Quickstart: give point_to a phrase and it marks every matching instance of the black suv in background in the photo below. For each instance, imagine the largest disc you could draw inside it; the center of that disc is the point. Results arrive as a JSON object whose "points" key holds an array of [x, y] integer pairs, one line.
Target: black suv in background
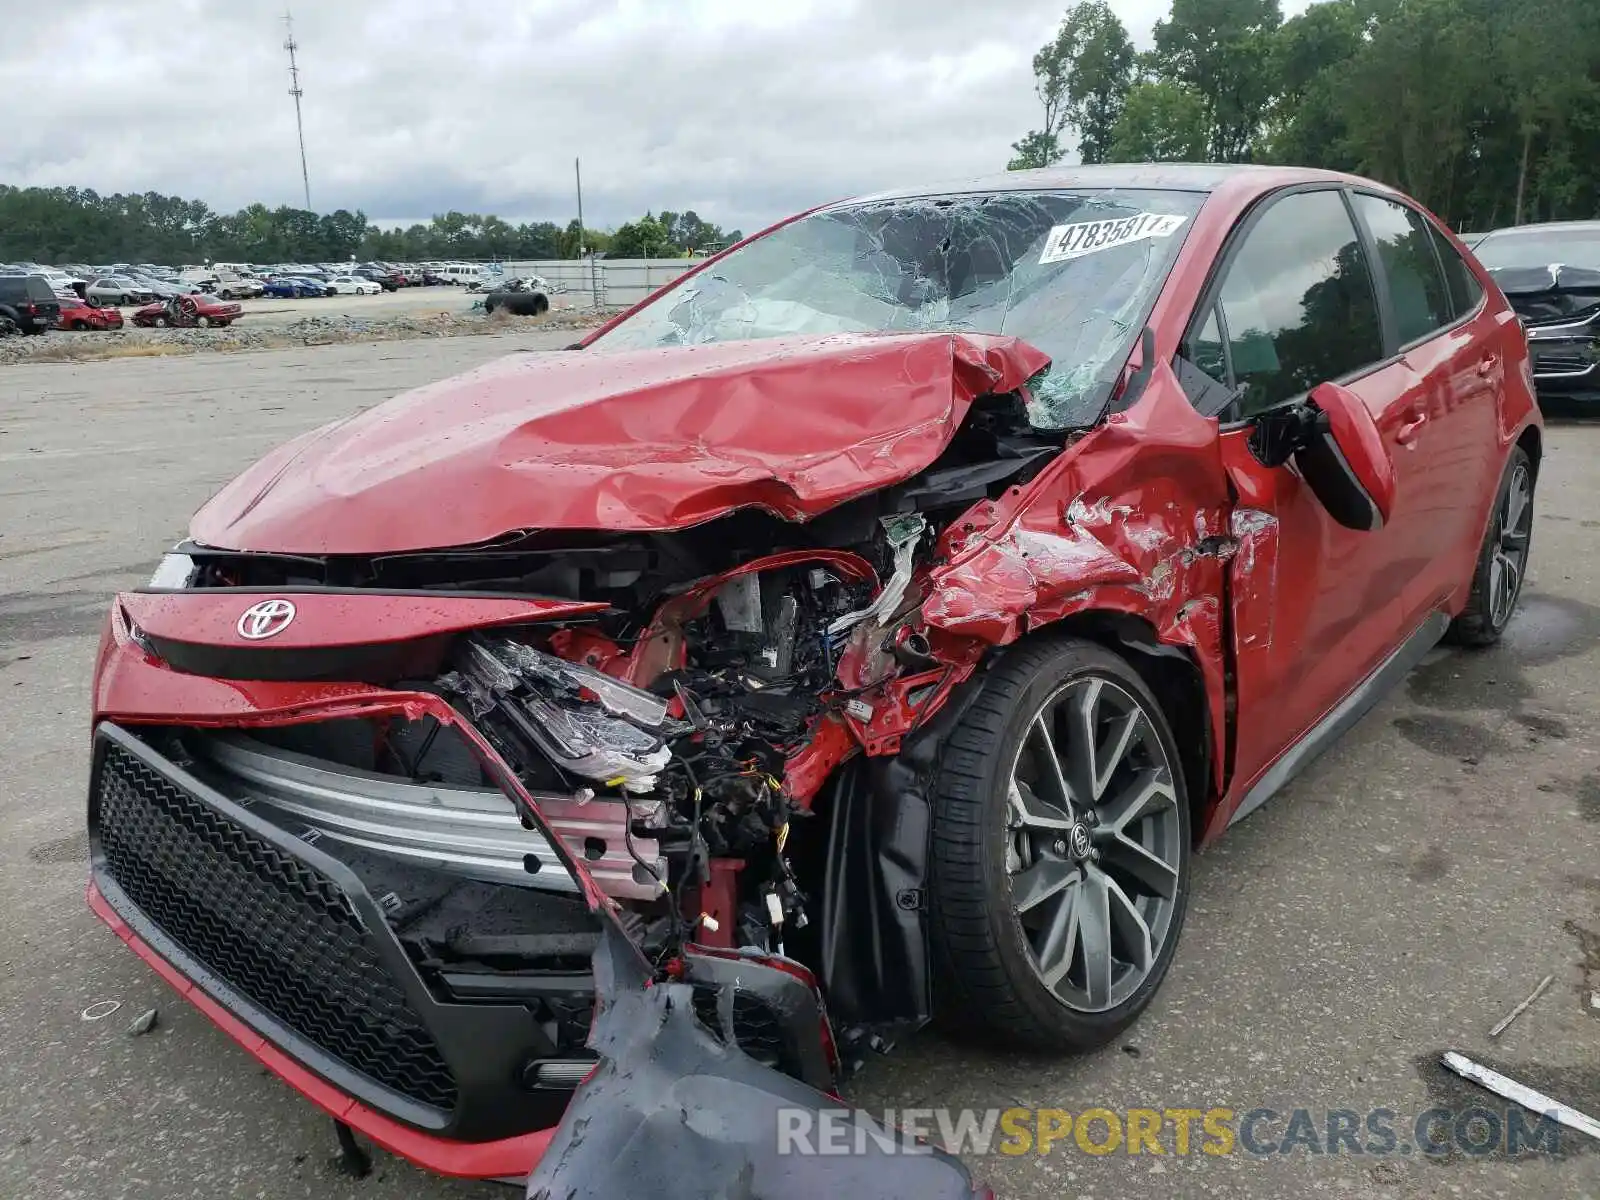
{"points": [[28, 302]]}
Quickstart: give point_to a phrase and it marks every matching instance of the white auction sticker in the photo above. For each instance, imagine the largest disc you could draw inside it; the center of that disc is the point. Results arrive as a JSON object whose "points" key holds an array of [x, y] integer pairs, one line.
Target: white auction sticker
{"points": [[1089, 237]]}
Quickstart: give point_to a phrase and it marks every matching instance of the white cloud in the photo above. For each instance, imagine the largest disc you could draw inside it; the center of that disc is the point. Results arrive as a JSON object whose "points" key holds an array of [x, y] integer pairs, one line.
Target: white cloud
{"points": [[742, 111]]}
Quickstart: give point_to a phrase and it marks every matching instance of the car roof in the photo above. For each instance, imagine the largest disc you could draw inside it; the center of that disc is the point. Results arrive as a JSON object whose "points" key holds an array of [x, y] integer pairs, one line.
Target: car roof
{"points": [[1185, 177], [1547, 227]]}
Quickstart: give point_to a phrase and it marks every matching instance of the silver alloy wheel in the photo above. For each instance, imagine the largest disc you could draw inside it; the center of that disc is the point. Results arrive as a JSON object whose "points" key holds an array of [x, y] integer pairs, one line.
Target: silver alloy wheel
{"points": [[1510, 560], [1092, 847]]}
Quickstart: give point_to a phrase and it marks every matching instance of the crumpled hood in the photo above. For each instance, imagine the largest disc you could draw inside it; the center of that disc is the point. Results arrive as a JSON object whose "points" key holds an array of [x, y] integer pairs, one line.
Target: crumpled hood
{"points": [[639, 440]]}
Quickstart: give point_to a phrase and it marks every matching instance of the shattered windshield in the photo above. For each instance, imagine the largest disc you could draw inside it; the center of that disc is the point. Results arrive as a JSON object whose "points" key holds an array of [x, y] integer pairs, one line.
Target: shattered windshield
{"points": [[1073, 273]]}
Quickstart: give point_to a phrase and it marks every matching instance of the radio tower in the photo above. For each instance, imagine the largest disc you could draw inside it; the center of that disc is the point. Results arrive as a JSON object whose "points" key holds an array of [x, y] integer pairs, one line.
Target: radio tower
{"points": [[291, 46]]}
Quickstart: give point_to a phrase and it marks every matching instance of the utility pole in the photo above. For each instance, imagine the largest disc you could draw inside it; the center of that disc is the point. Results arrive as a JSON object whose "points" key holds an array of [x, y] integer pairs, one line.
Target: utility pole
{"points": [[291, 46], [594, 279]]}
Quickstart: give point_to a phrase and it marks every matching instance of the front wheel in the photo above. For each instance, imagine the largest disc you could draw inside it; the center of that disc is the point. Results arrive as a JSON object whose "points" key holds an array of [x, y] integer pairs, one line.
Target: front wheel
{"points": [[1502, 559], [1060, 865], [163, 321]]}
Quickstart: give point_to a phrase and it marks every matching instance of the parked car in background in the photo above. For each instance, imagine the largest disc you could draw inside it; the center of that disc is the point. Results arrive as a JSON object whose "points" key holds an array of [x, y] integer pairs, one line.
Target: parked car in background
{"points": [[62, 284], [357, 285], [81, 315], [294, 287], [382, 278], [29, 303], [186, 311], [1551, 275], [117, 289], [282, 287], [161, 289], [231, 286], [1037, 531]]}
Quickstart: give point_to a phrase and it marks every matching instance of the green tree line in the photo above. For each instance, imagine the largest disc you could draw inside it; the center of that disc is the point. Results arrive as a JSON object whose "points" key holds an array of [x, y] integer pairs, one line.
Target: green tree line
{"points": [[1487, 111], [56, 225]]}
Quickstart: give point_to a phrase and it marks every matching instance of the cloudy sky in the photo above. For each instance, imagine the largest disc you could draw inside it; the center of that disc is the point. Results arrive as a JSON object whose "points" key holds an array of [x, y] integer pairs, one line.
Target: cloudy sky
{"points": [[743, 110]]}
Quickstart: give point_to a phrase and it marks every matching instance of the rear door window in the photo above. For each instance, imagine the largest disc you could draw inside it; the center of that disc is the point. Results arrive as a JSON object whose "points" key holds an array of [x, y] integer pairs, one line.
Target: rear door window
{"points": [[39, 288], [1298, 302], [1417, 291]]}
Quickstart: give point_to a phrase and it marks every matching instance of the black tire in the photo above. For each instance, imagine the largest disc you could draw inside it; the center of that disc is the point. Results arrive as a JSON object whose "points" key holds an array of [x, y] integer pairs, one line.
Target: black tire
{"points": [[488, 306], [205, 322], [540, 306], [1482, 621], [78, 326], [225, 294], [986, 981], [163, 321]]}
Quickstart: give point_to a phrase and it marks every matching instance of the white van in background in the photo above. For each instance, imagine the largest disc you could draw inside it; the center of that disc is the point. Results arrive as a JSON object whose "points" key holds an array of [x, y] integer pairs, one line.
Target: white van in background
{"points": [[459, 274]]}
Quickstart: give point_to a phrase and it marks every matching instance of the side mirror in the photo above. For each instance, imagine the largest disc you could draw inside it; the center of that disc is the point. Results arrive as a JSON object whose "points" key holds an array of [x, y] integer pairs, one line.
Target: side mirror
{"points": [[1336, 445]]}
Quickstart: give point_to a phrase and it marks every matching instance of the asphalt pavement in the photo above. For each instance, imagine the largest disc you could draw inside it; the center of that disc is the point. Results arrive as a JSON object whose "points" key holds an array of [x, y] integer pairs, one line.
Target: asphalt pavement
{"points": [[1395, 902]]}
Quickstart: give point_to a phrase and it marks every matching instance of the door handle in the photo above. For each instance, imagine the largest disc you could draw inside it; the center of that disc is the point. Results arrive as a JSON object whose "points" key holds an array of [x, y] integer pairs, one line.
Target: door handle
{"points": [[1407, 433], [1488, 363]]}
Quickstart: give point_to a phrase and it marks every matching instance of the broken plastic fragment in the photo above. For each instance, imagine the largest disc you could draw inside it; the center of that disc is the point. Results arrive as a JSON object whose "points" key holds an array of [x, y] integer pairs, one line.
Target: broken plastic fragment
{"points": [[902, 532]]}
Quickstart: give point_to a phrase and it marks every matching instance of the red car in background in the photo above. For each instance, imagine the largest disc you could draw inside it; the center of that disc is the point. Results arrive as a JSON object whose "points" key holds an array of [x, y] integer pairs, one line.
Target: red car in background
{"points": [[876, 618], [186, 311], [80, 315]]}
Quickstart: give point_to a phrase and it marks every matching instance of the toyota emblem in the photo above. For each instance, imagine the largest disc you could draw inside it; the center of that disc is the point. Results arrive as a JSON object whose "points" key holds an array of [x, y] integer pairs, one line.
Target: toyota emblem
{"points": [[266, 619], [1078, 841]]}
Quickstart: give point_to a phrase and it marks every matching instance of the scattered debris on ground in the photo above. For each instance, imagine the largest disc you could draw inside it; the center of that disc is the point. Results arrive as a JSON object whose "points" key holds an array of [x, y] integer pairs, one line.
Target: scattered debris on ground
{"points": [[143, 1023], [132, 342], [1516, 1012], [1519, 1093]]}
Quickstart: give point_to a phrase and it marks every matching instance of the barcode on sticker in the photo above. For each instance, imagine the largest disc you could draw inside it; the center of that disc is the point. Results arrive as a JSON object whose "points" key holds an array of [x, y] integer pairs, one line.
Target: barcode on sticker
{"points": [[1089, 237]]}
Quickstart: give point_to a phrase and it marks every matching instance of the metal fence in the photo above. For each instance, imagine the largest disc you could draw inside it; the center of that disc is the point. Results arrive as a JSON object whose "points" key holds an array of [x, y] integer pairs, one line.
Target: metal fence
{"points": [[608, 282]]}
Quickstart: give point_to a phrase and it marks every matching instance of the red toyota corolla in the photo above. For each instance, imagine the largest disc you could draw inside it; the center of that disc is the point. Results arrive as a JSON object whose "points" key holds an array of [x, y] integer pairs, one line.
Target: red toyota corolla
{"points": [[868, 626]]}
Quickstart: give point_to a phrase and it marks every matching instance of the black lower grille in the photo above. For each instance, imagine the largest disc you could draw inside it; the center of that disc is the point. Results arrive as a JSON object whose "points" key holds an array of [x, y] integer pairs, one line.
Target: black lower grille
{"points": [[272, 928], [755, 1027]]}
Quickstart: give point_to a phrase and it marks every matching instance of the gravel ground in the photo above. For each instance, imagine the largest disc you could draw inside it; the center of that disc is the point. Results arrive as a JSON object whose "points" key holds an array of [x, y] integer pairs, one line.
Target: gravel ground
{"points": [[1394, 902]]}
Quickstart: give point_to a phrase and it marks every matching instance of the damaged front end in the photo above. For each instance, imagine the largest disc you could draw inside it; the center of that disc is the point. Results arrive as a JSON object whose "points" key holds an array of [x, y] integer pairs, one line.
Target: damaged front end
{"points": [[563, 737]]}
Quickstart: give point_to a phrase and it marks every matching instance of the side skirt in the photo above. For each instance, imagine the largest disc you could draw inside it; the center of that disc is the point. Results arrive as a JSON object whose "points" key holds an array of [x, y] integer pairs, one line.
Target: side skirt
{"points": [[1344, 714]]}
